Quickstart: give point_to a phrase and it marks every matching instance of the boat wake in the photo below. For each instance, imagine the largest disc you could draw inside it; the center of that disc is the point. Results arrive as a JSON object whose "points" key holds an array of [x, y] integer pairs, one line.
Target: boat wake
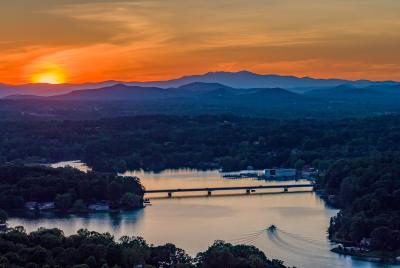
{"points": [[248, 238], [287, 241], [304, 239]]}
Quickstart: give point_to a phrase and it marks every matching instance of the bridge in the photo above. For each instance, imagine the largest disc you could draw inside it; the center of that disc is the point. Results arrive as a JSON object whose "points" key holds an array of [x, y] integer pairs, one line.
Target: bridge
{"points": [[248, 189]]}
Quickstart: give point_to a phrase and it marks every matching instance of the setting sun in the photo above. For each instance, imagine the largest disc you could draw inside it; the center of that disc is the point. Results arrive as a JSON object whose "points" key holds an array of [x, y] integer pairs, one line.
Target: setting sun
{"points": [[49, 74]]}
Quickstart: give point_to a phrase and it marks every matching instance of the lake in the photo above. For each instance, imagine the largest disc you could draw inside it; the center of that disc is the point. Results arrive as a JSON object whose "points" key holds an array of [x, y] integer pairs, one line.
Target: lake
{"points": [[194, 221]]}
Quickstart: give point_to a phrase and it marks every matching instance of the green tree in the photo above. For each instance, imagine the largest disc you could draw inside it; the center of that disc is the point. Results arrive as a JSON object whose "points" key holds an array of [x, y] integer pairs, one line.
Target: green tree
{"points": [[81, 266], [299, 164], [394, 240], [31, 265], [63, 201], [114, 191], [349, 190], [131, 201], [91, 262], [39, 255], [3, 216], [79, 206], [222, 254], [380, 237], [169, 255], [396, 199]]}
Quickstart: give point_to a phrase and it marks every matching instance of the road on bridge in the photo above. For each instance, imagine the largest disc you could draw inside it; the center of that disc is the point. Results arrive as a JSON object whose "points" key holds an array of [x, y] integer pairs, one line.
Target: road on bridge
{"points": [[248, 189]]}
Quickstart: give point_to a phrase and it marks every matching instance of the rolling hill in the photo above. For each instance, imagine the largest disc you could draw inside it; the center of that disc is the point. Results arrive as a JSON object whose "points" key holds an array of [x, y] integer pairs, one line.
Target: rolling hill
{"points": [[209, 98], [199, 91], [370, 94]]}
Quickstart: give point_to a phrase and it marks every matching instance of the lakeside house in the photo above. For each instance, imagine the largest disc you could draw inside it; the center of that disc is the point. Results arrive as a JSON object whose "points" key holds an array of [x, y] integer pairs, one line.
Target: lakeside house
{"points": [[309, 173], [99, 206], [262, 174], [248, 173], [40, 206], [280, 173]]}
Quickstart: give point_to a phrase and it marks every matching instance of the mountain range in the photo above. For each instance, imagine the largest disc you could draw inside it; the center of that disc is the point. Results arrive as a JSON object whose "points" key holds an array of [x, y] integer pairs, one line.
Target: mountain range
{"points": [[243, 79], [247, 94], [246, 79]]}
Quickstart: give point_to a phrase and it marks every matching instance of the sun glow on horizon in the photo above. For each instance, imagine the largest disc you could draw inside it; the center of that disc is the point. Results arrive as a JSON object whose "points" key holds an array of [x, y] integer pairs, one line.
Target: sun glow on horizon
{"points": [[92, 41], [49, 74]]}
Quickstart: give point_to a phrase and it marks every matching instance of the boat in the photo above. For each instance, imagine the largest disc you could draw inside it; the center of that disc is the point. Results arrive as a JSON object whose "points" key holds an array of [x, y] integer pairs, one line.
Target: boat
{"points": [[146, 202], [272, 228]]}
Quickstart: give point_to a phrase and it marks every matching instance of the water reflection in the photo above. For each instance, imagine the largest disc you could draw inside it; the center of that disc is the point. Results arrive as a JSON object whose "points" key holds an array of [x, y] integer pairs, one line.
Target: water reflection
{"points": [[187, 178], [194, 222]]}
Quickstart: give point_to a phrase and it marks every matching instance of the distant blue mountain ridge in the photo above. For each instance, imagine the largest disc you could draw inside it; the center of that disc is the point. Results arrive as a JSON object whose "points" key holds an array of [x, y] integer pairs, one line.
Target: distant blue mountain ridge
{"points": [[195, 83]]}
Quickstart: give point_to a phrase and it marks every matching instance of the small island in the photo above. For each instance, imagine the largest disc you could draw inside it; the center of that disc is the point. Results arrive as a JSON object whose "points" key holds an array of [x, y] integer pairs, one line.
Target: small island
{"points": [[39, 189]]}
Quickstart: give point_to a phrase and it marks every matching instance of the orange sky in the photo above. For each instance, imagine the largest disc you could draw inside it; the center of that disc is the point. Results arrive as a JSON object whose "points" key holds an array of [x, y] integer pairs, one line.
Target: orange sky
{"points": [[132, 40]]}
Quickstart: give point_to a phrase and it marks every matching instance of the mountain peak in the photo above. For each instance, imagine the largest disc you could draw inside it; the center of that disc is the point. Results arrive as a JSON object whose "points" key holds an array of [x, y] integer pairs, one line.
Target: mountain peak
{"points": [[241, 79], [202, 85]]}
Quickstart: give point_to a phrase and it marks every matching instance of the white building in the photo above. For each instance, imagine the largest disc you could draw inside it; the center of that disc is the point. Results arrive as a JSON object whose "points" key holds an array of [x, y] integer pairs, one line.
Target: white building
{"points": [[279, 172], [243, 173], [99, 206], [266, 173]]}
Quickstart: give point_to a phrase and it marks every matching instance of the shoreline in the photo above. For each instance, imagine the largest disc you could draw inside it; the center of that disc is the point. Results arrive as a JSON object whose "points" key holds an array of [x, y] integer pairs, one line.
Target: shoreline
{"points": [[370, 256], [26, 213]]}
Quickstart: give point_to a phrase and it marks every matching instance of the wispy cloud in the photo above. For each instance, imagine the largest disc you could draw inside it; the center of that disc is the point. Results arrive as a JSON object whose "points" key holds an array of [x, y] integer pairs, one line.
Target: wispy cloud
{"points": [[155, 39]]}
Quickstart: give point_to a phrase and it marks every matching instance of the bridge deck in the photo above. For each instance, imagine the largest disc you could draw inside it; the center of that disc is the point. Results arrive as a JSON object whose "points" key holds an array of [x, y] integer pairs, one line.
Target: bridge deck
{"points": [[212, 189]]}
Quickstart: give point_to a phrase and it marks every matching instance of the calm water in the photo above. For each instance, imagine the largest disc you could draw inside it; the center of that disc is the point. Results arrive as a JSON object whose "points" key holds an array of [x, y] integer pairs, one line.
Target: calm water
{"points": [[194, 222]]}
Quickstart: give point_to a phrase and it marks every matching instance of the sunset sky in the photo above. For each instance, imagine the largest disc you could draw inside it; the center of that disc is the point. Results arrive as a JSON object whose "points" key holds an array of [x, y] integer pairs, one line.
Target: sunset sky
{"points": [[94, 40]]}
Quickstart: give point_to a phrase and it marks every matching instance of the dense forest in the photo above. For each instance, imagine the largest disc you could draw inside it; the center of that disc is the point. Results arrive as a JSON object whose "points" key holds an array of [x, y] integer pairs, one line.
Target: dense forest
{"points": [[51, 248], [368, 191], [68, 188], [231, 143], [358, 160]]}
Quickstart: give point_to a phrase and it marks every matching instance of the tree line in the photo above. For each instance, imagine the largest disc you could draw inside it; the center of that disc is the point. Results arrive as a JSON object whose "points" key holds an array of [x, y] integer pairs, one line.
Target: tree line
{"points": [[68, 188], [85, 249], [368, 191], [358, 158], [203, 142]]}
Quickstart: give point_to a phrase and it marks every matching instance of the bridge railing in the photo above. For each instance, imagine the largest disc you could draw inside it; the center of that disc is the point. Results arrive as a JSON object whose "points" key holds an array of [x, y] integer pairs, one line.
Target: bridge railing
{"points": [[248, 189]]}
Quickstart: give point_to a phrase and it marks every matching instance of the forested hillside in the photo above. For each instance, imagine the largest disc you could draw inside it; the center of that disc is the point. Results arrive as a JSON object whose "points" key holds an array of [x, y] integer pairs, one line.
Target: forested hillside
{"points": [[228, 142], [69, 189], [368, 190]]}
